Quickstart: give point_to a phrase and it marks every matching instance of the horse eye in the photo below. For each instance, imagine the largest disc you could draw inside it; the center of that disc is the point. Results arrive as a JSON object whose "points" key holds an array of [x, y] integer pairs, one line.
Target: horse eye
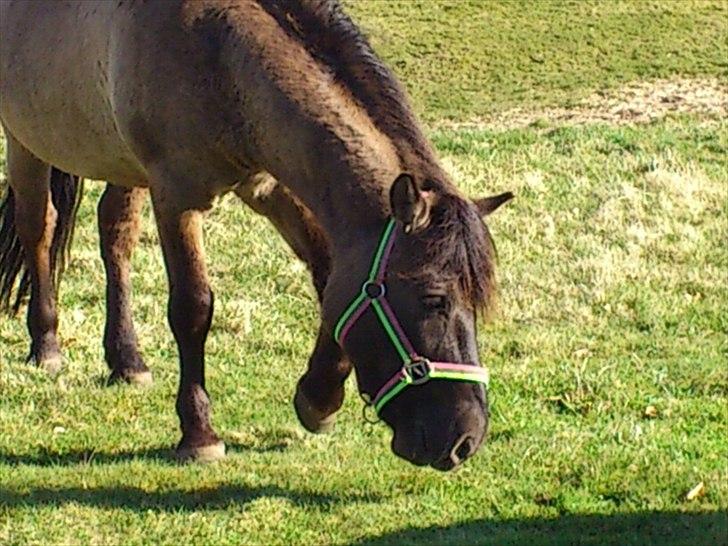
{"points": [[434, 301]]}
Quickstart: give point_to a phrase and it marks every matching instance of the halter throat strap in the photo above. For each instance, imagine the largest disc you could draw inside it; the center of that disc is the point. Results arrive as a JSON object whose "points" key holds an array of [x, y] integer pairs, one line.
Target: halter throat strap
{"points": [[416, 370]]}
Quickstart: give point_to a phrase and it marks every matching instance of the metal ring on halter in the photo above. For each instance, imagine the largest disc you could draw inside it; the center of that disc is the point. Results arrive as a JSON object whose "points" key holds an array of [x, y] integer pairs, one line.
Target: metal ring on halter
{"points": [[373, 290], [368, 410]]}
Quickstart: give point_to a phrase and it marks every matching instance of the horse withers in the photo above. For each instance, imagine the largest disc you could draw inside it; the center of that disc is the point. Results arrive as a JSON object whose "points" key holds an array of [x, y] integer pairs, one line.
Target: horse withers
{"points": [[286, 104]]}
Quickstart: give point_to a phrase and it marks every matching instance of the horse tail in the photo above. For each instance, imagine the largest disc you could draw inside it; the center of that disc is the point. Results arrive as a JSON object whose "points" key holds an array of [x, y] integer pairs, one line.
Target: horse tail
{"points": [[66, 193]]}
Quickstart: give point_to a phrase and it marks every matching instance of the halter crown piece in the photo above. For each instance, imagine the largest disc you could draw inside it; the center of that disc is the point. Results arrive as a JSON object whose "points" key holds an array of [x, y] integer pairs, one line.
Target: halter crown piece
{"points": [[416, 369]]}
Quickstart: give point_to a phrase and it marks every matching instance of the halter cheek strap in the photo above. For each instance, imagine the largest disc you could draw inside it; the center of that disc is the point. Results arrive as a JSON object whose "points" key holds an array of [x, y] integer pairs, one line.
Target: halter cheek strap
{"points": [[416, 370]]}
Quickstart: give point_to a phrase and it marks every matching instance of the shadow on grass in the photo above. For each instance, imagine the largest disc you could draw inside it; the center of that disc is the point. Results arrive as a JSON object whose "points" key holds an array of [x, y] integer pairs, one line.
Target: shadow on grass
{"points": [[160, 455], [47, 457], [173, 500], [640, 528]]}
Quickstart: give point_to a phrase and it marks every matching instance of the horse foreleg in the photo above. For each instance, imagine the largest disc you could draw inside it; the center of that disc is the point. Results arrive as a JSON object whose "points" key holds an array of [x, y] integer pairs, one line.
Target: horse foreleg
{"points": [[293, 221], [35, 217], [190, 314], [320, 392], [118, 218]]}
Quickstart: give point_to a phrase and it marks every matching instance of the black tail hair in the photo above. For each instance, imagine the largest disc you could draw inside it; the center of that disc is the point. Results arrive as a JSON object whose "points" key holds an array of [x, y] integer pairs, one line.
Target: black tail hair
{"points": [[66, 192]]}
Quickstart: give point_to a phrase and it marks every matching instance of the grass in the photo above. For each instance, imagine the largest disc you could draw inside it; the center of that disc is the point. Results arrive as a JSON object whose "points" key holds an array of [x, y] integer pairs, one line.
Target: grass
{"points": [[470, 58], [613, 297], [612, 269]]}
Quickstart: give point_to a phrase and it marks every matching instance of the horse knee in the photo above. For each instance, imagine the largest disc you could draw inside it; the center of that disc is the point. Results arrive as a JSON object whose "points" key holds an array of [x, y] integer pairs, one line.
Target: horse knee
{"points": [[36, 224], [108, 229], [190, 312], [118, 221]]}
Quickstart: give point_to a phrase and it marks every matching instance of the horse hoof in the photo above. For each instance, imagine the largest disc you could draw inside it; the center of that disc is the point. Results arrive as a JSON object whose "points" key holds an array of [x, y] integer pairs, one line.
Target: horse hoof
{"points": [[52, 365], [142, 379], [201, 454], [312, 419]]}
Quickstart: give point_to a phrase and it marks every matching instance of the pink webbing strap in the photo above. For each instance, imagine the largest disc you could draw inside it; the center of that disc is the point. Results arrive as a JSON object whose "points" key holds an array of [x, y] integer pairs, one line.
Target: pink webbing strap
{"points": [[398, 328], [382, 269], [353, 318]]}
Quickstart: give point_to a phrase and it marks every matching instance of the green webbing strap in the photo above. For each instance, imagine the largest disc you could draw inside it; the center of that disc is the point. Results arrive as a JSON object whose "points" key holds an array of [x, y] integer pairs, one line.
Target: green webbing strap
{"points": [[362, 298], [473, 375], [353, 306], [399, 387], [373, 272], [390, 331], [415, 370]]}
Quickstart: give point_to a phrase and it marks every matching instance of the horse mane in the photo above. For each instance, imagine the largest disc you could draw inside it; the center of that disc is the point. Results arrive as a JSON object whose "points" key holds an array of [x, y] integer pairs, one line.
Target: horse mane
{"points": [[334, 40], [458, 244], [459, 247]]}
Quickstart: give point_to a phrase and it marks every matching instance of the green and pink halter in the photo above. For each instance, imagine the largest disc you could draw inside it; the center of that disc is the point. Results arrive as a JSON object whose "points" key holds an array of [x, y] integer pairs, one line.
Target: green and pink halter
{"points": [[416, 369]]}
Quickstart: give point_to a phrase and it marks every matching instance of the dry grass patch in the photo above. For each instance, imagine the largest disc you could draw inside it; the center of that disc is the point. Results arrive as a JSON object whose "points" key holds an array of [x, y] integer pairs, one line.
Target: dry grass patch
{"points": [[635, 102]]}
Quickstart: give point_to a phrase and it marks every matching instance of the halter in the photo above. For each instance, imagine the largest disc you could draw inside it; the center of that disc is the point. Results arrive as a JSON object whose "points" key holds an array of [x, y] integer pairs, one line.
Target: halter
{"points": [[416, 369]]}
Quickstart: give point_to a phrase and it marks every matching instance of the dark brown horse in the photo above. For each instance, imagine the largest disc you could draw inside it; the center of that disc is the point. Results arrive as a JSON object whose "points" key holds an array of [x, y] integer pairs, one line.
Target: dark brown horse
{"points": [[286, 104]]}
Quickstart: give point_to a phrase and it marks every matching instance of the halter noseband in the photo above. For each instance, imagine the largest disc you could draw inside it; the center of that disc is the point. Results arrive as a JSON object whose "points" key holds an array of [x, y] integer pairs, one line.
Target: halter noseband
{"points": [[416, 369]]}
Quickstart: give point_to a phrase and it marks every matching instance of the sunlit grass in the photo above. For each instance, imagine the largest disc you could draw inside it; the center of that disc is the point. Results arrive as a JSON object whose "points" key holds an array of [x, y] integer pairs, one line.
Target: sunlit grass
{"points": [[608, 355], [612, 269], [471, 58]]}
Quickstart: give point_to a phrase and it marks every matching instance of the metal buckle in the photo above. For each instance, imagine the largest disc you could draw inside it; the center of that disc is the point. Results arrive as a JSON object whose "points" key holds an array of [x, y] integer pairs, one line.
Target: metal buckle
{"points": [[373, 290], [368, 413], [418, 371]]}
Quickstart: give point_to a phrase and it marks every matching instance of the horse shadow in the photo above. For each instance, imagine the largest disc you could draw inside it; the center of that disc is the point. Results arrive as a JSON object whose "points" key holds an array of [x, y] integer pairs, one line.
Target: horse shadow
{"points": [[634, 528], [159, 455], [136, 499], [165, 500], [643, 528]]}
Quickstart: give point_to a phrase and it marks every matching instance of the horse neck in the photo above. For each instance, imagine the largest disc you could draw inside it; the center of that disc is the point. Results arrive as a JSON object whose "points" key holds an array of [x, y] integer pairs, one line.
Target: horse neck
{"points": [[343, 181], [338, 179], [295, 122], [290, 117]]}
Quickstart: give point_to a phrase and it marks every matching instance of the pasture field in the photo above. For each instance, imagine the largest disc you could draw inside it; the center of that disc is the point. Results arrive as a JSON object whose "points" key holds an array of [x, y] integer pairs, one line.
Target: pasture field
{"points": [[607, 355]]}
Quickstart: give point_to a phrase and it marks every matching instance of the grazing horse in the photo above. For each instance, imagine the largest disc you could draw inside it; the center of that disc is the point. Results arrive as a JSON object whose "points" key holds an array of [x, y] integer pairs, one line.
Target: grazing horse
{"points": [[286, 104]]}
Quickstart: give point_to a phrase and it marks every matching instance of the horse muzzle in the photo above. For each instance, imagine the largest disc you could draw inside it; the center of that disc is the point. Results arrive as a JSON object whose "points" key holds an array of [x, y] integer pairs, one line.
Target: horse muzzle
{"points": [[439, 442]]}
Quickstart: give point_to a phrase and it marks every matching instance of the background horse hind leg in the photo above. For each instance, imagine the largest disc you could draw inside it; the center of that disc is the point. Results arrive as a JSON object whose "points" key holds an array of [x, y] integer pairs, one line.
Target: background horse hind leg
{"points": [[293, 221], [118, 217], [320, 392], [190, 314], [35, 219]]}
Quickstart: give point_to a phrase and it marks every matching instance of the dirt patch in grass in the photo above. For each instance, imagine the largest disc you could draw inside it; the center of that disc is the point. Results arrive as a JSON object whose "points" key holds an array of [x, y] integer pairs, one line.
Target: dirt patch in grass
{"points": [[638, 102]]}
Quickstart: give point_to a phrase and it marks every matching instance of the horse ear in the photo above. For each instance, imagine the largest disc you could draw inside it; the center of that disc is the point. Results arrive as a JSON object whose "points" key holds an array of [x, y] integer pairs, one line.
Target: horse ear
{"points": [[410, 205], [487, 205]]}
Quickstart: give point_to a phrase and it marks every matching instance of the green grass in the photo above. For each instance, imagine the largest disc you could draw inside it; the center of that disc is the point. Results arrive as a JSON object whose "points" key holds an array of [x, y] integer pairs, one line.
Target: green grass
{"points": [[613, 263], [470, 58], [613, 297]]}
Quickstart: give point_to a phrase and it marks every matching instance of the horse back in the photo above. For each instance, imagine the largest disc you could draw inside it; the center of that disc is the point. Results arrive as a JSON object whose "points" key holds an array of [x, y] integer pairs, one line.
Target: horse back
{"points": [[100, 89]]}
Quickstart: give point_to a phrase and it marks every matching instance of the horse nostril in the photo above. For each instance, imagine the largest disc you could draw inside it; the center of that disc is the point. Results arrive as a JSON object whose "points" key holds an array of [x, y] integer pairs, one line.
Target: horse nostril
{"points": [[462, 449]]}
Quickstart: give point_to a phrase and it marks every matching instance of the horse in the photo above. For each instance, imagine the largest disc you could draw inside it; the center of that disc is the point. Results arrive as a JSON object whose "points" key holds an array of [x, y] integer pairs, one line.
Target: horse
{"points": [[287, 105]]}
